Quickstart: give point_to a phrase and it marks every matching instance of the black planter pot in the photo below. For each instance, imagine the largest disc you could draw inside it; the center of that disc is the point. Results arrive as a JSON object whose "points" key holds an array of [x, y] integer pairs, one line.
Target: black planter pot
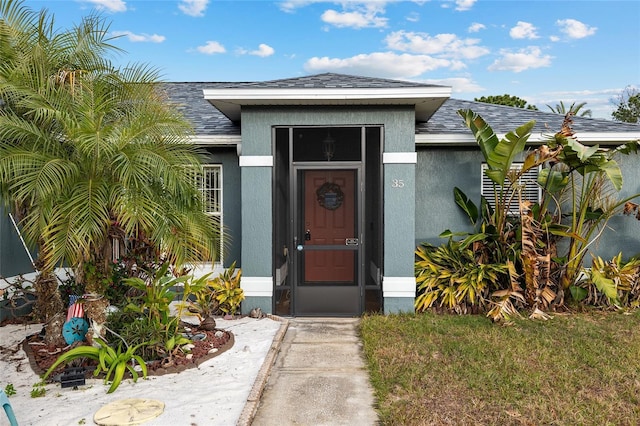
{"points": [[17, 306]]}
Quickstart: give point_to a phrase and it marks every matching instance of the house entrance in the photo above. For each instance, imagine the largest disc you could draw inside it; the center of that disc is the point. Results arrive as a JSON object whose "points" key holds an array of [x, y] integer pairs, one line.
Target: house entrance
{"points": [[327, 240], [327, 219]]}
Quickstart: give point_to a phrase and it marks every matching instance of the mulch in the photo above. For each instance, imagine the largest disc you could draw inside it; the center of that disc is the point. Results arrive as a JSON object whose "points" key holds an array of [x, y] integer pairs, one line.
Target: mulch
{"points": [[42, 356]]}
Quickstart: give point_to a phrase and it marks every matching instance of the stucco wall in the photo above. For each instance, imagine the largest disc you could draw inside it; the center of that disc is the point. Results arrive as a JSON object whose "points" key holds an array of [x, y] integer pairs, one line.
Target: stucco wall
{"points": [[439, 170]]}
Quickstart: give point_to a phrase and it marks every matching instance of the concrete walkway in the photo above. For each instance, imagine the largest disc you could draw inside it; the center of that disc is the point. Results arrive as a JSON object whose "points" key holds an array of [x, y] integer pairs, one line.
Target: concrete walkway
{"points": [[319, 377]]}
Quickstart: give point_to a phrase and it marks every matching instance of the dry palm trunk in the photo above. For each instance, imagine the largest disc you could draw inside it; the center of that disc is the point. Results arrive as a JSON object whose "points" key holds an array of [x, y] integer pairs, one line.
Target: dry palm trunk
{"points": [[49, 307], [537, 266]]}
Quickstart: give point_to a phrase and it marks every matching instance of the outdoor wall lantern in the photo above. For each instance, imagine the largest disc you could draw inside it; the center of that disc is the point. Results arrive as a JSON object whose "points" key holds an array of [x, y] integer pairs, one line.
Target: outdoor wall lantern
{"points": [[328, 146]]}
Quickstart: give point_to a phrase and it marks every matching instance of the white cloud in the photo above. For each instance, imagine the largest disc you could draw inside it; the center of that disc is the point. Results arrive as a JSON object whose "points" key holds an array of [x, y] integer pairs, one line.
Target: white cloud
{"points": [[598, 101], [211, 47], [380, 64], [523, 30], [554, 38], [446, 45], [138, 38], [110, 5], [355, 19], [263, 51], [523, 59], [463, 5], [413, 17], [193, 7], [292, 5], [476, 27], [457, 84], [575, 29]]}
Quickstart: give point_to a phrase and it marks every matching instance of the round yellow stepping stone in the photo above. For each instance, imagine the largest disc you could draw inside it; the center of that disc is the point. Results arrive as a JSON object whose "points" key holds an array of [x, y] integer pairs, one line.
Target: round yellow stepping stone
{"points": [[132, 411]]}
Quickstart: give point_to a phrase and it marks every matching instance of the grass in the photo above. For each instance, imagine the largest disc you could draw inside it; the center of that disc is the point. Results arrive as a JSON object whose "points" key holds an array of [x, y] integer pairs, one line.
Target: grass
{"points": [[580, 369]]}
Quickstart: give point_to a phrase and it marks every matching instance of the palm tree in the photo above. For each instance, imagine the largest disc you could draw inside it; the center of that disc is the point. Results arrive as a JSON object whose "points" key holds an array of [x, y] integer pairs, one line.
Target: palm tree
{"points": [[88, 151], [574, 109]]}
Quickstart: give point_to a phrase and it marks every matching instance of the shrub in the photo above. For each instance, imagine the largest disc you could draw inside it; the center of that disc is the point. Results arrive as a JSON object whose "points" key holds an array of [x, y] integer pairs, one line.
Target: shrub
{"points": [[451, 277]]}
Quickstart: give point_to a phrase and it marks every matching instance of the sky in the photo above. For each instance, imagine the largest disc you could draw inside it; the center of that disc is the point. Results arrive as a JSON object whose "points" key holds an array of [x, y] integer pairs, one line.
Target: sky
{"points": [[544, 51]]}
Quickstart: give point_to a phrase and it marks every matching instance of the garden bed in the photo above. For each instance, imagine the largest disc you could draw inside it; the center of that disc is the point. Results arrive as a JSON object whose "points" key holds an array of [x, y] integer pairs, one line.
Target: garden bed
{"points": [[42, 356]]}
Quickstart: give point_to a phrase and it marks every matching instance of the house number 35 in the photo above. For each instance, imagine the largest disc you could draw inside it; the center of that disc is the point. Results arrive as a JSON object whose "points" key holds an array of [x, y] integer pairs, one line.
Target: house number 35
{"points": [[397, 183]]}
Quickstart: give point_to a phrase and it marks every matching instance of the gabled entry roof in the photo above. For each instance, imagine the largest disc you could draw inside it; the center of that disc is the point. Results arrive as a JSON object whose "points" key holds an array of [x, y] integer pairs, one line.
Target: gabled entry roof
{"points": [[327, 89]]}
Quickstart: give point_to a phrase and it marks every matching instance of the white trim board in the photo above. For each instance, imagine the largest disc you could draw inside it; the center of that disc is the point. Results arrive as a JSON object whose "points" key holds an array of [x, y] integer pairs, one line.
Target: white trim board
{"points": [[399, 287], [257, 286], [399, 158], [256, 161]]}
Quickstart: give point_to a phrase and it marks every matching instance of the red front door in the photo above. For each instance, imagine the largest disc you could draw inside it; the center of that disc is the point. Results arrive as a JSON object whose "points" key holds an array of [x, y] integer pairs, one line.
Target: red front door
{"points": [[329, 220]]}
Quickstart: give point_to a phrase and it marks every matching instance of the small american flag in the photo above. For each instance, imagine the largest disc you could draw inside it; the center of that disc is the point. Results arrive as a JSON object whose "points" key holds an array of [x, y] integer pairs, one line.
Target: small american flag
{"points": [[76, 310]]}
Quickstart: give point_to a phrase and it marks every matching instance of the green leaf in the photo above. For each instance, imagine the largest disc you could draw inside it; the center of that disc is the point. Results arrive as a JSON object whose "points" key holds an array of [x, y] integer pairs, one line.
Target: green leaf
{"points": [[466, 205], [582, 151], [612, 169], [552, 181], [508, 149], [605, 285], [448, 234], [484, 134], [578, 293], [472, 239]]}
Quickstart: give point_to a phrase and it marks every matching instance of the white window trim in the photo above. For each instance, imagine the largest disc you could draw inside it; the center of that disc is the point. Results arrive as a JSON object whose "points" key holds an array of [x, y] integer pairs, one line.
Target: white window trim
{"points": [[220, 200], [533, 191]]}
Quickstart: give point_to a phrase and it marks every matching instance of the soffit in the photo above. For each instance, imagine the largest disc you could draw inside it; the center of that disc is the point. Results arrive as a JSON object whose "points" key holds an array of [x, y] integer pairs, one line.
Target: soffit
{"points": [[230, 101]]}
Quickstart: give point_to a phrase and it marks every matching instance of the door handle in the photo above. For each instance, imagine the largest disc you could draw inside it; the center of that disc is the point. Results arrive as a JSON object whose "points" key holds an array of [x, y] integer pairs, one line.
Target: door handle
{"points": [[307, 235]]}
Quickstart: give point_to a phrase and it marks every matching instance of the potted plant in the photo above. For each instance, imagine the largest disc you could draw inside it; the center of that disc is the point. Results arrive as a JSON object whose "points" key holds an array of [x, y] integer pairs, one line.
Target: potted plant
{"points": [[17, 299]]}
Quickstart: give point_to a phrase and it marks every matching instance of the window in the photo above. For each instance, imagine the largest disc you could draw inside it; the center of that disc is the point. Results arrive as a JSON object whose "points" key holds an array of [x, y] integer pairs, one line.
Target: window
{"points": [[531, 191], [210, 185]]}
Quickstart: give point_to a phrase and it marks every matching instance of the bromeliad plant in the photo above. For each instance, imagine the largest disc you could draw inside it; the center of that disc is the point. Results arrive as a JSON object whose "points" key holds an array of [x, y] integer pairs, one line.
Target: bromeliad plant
{"points": [[227, 290], [114, 363]]}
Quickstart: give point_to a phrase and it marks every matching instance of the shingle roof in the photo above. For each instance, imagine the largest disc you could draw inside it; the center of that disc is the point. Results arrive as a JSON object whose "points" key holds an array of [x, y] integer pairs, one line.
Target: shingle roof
{"points": [[325, 81], [208, 121], [503, 119]]}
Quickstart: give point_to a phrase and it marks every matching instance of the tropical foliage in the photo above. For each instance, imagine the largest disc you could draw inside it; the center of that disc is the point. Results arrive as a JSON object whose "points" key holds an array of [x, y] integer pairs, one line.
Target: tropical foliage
{"points": [[575, 109], [92, 155], [227, 291], [507, 100], [450, 275], [579, 186], [627, 106], [114, 363]]}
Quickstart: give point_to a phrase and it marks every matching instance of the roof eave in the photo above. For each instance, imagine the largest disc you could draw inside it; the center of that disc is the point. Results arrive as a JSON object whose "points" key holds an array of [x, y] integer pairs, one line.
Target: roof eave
{"points": [[426, 100], [587, 138]]}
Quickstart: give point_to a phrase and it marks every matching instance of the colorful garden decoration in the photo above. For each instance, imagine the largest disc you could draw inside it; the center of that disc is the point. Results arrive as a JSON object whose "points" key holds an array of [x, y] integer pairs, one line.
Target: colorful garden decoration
{"points": [[76, 327], [75, 330]]}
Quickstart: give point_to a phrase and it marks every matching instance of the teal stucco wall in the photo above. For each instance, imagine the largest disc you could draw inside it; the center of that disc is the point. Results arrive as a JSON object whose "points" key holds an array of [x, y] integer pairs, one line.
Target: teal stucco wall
{"points": [[439, 170], [257, 224]]}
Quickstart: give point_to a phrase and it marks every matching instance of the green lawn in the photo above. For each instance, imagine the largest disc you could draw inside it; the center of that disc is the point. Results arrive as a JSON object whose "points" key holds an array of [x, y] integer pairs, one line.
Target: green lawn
{"points": [[580, 369]]}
